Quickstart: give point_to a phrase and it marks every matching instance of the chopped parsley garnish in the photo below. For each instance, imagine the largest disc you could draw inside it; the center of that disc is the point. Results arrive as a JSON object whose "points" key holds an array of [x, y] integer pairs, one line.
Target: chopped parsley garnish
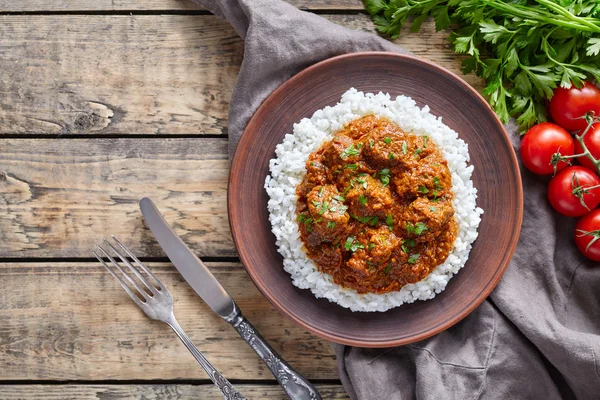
{"points": [[436, 182], [339, 198], [363, 182], [306, 221], [407, 245], [391, 156], [388, 268], [387, 140], [359, 146], [352, 245], [404, 147], [432, 209], [350, 151], [417, 228], [413, 258], [330, 225], [384, 176], [371, 246], [348, 188], [418, 151], [425, 139], [337, 171], [323, 208], [362, 199], [321, 191], [370, 264], [370, 219], [351, 166], [389, 221], [423, 189], [371, 143], [420, 228]]}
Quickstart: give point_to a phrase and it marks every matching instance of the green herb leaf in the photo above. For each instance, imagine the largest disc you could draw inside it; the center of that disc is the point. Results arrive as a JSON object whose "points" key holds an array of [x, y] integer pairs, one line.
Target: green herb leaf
{"points": [[384, 176], [387, 140], [420, 228], [351, 166], [352, 244], [388, 268], [413, 258], [349, 152], [423, 189], [389, 221], [391, 156], [330, 225], [404, 147], [362, 199]]}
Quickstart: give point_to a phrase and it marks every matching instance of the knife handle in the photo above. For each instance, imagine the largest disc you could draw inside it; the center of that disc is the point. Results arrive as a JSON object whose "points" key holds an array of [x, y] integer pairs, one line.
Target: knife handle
{"points": [[295, 385]]}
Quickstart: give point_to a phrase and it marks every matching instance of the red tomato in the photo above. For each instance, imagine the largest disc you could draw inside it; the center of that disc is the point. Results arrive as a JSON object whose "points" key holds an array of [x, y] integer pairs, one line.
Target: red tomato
{"points": [[587, 233], [568, 104], [574, 191], [540, 143], [592, 142]]}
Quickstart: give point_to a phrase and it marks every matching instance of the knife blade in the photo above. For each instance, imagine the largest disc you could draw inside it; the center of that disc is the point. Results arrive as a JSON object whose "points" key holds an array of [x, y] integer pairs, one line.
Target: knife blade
{"points": [[193, 270], [210, 290]]}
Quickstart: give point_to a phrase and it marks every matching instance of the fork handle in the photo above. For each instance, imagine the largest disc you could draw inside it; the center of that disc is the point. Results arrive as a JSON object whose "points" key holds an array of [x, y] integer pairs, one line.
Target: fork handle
{"points": [[295, 385], [226, 388]]}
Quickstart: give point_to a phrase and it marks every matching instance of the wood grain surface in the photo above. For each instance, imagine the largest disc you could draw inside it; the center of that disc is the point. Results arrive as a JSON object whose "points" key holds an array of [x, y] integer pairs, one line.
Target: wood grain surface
{"points": [[151, 392], [72, 321], [137, 74], [59, 197], [154, 5]]}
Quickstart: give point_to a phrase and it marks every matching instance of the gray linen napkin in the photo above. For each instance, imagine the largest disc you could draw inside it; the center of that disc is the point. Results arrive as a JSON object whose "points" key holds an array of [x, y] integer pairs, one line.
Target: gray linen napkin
{"points": [[538, 334]]}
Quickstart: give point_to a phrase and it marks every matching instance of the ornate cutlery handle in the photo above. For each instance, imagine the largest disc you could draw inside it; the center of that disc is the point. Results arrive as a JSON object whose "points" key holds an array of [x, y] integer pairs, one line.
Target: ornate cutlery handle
{"points": [[294, 384], [226, 388]]}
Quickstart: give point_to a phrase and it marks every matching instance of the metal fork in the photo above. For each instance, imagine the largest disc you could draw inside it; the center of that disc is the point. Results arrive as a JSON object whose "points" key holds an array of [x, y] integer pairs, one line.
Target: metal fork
{"points": [[157, 302]]}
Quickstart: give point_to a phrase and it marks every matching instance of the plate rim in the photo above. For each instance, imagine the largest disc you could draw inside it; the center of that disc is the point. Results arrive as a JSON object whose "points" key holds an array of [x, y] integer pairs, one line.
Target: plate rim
{"points": [[236, 166]]}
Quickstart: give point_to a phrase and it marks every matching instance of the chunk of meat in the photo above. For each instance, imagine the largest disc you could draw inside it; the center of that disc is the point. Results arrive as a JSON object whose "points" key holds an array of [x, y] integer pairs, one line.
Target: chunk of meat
{"points": [[359, 127], [329, 258], [340, 151], [423, 219], [368, 197], [386, 146], [316, 175], [328, 212], [430, 177]]}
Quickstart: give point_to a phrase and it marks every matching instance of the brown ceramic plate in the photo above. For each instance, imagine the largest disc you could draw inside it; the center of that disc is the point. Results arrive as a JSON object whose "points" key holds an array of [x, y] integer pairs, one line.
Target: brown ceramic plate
{"points": [[496, 177]]}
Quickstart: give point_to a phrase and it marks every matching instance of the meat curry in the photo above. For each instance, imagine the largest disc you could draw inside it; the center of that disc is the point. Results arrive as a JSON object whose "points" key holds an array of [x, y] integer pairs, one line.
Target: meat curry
{"points": [[375, 207]]}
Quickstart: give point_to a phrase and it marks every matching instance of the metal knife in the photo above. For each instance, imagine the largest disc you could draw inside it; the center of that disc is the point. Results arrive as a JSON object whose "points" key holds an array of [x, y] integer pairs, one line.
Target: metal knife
{"points": [[206, 285]]}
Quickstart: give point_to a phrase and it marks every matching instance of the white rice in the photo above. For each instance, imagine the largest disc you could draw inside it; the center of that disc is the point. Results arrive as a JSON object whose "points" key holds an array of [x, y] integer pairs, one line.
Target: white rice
{"points": [[289, 167]]}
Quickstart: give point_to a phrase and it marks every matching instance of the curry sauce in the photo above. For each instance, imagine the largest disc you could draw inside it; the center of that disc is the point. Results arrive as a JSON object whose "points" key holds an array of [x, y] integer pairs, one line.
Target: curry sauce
{"points": [[375, 207]]}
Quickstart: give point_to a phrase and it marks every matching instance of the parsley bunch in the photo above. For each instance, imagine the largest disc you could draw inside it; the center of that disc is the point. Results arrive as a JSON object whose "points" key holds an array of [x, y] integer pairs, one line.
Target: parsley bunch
{"points": [[522, 48]]}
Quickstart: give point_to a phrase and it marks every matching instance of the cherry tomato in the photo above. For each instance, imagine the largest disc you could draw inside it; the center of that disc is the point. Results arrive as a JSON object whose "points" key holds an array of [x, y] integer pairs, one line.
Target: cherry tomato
{"points": [[540, 143], [587, 233], [568, 104], [574, 191], [592, 142]]}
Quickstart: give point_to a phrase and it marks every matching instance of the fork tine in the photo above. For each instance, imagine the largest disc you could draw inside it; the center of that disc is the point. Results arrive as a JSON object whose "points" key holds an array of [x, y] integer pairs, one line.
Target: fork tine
{"points": [[131, 281], [138, 262], [123, 284], [132, 268]]}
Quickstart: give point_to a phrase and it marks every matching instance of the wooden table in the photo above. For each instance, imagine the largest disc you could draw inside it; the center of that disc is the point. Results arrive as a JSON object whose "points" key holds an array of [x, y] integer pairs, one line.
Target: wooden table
{"points": [[103, 102]]}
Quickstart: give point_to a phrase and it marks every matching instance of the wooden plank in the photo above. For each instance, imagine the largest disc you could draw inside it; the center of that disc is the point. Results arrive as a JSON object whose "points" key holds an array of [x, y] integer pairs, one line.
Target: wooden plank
{"points": [[138, 74], [58, 197], [153, 5], [72, 321], [152, 392]]}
